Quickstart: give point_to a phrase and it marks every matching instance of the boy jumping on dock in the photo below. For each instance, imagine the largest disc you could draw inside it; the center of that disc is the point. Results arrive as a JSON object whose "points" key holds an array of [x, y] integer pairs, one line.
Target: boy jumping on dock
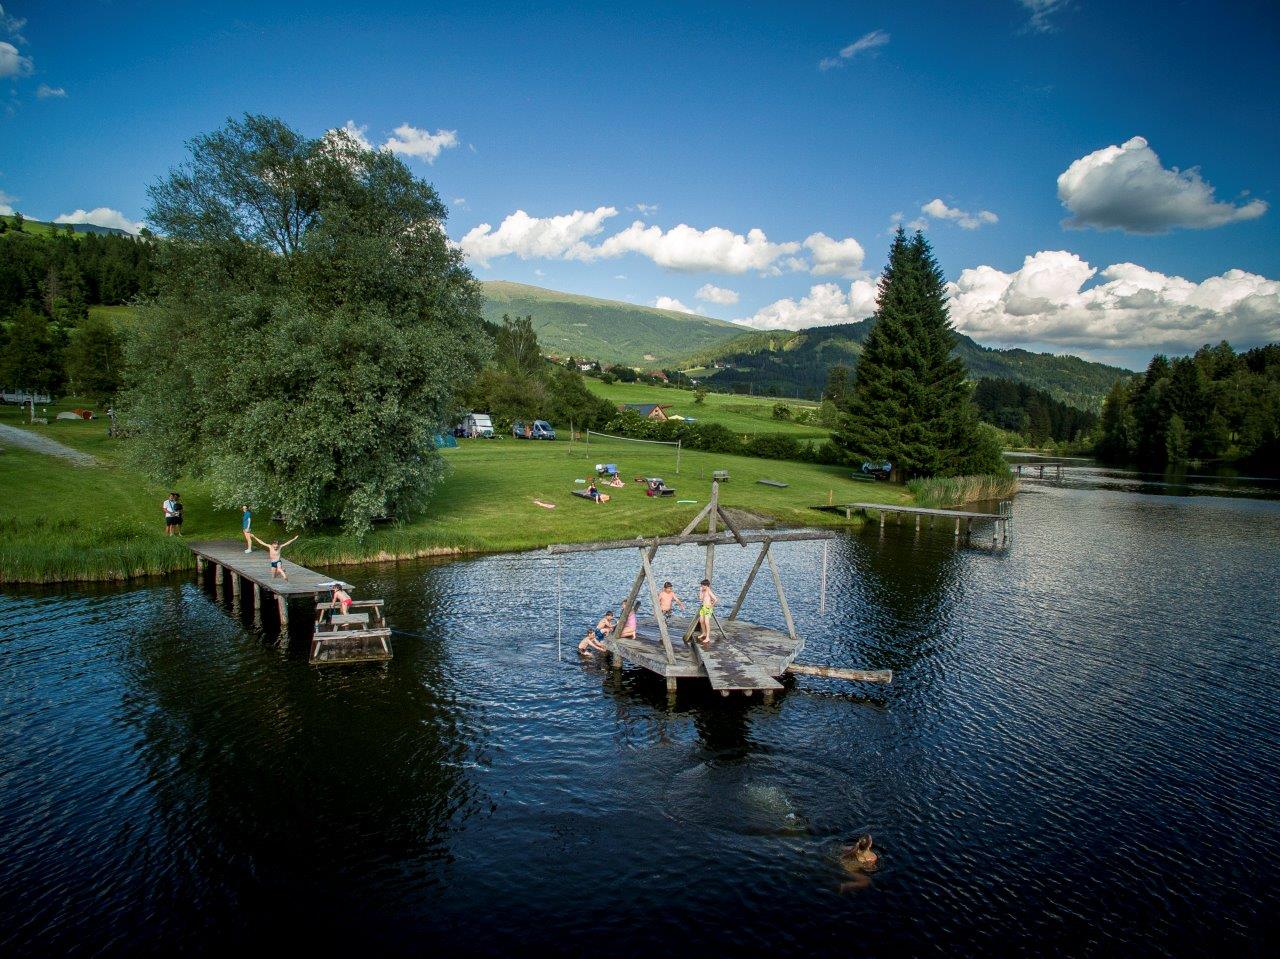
{"points": [[273, 553]]}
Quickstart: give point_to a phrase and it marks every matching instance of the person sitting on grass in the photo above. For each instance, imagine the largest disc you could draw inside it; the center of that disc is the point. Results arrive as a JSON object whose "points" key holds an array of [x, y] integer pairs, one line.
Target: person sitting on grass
{"points": [[616, 480], [593, 492], [273, 553], [593, 642]]}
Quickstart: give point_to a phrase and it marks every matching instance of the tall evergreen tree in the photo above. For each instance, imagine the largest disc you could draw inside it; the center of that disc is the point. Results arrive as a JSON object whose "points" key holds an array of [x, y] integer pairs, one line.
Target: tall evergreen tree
{"points": [[910, 403]]}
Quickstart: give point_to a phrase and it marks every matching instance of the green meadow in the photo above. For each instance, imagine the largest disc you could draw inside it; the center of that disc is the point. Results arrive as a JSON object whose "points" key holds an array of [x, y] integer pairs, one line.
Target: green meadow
{"points": [[63, 522]]}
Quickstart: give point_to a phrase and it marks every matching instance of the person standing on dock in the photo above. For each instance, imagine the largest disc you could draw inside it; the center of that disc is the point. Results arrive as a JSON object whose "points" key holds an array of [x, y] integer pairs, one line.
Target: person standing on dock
{"points": [[246, 520], [707, 600], [273, 553], [667, 598], [170, 514]]}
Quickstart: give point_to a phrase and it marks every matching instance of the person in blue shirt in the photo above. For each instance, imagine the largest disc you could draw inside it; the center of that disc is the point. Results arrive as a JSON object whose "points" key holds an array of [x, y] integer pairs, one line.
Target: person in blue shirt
{"points": [[246, 520]]}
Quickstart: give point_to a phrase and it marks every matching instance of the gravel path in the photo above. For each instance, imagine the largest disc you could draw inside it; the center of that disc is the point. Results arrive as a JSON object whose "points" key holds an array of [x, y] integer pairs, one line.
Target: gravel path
{"points": [[12, 436]]}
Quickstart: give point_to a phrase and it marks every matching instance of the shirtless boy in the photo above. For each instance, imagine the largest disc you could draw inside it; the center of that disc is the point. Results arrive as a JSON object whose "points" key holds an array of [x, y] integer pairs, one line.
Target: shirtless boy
{"points": [[273, 554], [706, 609], [667, 598], [593, 642]]}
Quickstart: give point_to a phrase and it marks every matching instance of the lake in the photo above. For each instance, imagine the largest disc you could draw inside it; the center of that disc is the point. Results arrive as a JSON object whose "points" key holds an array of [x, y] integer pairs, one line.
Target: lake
{"points": [[1078, 752]]}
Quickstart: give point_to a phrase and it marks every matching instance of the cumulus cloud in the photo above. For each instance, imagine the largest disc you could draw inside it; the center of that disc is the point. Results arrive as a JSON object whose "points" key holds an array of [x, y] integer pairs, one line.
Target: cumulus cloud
{"points": [[410, 141], [1041, 11], [826, 305], [12, 63], [671, 303], [689, 249], [1126, 188], [1045, 301], [45, 92], [552, 237], [865, 43], [963, 219], [101, 216], [357, 133], [711, 293], [834, 257], [6, 203]]}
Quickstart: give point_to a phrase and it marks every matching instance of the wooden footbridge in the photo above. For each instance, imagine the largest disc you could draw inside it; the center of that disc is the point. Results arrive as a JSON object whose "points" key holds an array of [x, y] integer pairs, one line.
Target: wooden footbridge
{"points": [[741, 657], [359, 636], [1000, 520]]}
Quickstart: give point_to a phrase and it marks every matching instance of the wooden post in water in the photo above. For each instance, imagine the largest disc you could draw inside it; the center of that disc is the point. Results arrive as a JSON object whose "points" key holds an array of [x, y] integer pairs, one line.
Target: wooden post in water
{"points": [[217, 582], [968, 530], [957, 527], [282, 607], [235, 585]]}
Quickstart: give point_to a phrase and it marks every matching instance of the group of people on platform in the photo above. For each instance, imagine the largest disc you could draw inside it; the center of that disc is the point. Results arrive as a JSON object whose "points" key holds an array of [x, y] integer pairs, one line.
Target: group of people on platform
{"points": [[594, 641]]}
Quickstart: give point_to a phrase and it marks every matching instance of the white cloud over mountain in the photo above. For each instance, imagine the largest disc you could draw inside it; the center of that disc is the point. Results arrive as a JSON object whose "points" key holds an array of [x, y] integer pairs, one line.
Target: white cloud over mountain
{"points": [[825, 305], [1126, 188], [965, 220], [529, 237], [1045, 302], [671, 303], [101, 216], [682, 248], [711, 293]]}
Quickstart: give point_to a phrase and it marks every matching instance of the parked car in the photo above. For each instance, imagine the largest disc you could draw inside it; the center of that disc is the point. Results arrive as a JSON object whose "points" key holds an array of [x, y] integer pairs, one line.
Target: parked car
{"points": [[478, 424], [537, 430]]}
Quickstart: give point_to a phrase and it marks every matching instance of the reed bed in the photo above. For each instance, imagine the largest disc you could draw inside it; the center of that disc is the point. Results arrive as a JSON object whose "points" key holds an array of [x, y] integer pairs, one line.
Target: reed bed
{"points": [[941, 492]]}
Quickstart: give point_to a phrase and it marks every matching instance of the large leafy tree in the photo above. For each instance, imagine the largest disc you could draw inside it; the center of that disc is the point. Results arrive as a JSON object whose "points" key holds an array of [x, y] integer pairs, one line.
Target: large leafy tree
{"points": [[94, 359], [910, 403], [31, 354], [310, 325]]}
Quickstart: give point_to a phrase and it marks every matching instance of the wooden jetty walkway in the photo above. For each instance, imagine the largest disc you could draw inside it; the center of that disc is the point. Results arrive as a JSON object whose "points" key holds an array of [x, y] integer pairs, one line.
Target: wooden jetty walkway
{"points": [[1000, 520], [233, 570]]}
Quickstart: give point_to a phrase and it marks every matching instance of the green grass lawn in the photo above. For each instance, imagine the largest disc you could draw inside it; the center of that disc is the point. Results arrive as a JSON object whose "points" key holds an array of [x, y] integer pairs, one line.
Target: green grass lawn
{"points": [[742, 414], [62, 522]]}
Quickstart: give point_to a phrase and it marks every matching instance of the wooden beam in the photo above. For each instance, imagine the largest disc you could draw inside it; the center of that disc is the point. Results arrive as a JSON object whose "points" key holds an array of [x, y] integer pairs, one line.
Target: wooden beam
{"points": [[782, 596], [693, 523], [729, 523], [751, 578], [720, 539], [657, 613], [631, 596], [712, 511], [854, 675]]}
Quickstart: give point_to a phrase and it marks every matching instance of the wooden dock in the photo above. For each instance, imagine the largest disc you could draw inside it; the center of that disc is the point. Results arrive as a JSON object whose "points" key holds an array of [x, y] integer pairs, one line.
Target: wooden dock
{"points": [[1000, 521], [247, 576], [744, 656]]}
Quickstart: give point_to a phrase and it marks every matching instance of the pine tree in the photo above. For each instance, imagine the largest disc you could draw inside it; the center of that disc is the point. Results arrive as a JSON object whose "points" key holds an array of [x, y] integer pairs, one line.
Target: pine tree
{"points": [[910, 403]]}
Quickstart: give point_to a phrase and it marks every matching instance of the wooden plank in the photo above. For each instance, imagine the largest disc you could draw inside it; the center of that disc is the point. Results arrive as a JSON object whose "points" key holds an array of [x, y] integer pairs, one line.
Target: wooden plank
{"points": [[657, 613], [349, 619], [721, 539], [631, 596], [782, 596], [751, 578], [729, 523], [729, 669], [854, 675], [693, 523], [775, 483], [712, 512], [889, 508]]}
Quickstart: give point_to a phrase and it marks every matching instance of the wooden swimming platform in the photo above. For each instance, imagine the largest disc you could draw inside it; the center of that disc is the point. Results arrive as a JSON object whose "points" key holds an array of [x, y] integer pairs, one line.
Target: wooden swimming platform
{"points": [[1000, 521], [233, 571]]}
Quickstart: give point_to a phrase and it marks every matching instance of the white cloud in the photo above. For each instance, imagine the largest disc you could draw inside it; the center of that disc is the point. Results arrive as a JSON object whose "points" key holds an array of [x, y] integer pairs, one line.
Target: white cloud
{"points": [[834, 257], [689, 249], [460, 202], [866, 42], [644, 209], [12, 63], [1045, 302], [413, 142], [1125, 188], [539, 272], [12, 26], [671, 303], [45, 92], [968, 221], [553, 237], [919, 223], [1041, 11], [827, 304], [6, 203], [101, 216], [357, 133], [716, 294]]}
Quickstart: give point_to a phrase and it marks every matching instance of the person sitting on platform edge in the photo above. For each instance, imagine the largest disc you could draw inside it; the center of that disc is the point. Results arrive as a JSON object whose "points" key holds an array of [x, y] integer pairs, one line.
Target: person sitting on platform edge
{"points": [[629, 627], [273, 553], [593, 642]]}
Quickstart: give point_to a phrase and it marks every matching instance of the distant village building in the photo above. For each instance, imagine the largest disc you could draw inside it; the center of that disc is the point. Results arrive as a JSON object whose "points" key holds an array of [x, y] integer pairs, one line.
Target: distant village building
{"points": [[657, 375], [651, 411]]}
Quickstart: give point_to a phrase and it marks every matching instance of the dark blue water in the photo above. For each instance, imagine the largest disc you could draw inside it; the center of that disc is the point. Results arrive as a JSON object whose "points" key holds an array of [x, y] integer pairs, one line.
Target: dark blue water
{"points": [[1078, 754]]}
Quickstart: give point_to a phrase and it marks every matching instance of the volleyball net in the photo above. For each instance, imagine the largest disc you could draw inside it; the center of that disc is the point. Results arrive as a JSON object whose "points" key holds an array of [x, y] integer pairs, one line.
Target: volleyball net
{"points": [[608, 442]]}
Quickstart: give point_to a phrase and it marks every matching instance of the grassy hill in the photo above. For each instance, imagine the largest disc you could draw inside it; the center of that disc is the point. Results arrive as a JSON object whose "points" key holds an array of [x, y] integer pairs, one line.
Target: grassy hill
{"points": [[796, 363], [742, 414], [38, 228], [605, 330]]}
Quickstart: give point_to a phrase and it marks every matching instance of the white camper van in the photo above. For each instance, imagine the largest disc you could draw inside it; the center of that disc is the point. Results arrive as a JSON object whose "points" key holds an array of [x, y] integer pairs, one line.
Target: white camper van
{"points": [[478, 424]]}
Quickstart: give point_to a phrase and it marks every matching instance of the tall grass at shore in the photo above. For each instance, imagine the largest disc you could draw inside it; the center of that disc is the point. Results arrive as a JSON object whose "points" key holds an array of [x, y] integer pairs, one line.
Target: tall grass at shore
{"points": [[941, 492]]}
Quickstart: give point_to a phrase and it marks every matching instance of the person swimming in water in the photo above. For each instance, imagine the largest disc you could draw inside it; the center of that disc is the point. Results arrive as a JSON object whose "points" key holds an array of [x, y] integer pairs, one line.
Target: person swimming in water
{"points": [[858, 859], [593, 642]]}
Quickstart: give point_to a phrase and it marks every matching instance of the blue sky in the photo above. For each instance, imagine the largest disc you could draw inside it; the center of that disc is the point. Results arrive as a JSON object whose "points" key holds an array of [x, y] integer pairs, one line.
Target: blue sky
{"points": [[704, 122]]}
